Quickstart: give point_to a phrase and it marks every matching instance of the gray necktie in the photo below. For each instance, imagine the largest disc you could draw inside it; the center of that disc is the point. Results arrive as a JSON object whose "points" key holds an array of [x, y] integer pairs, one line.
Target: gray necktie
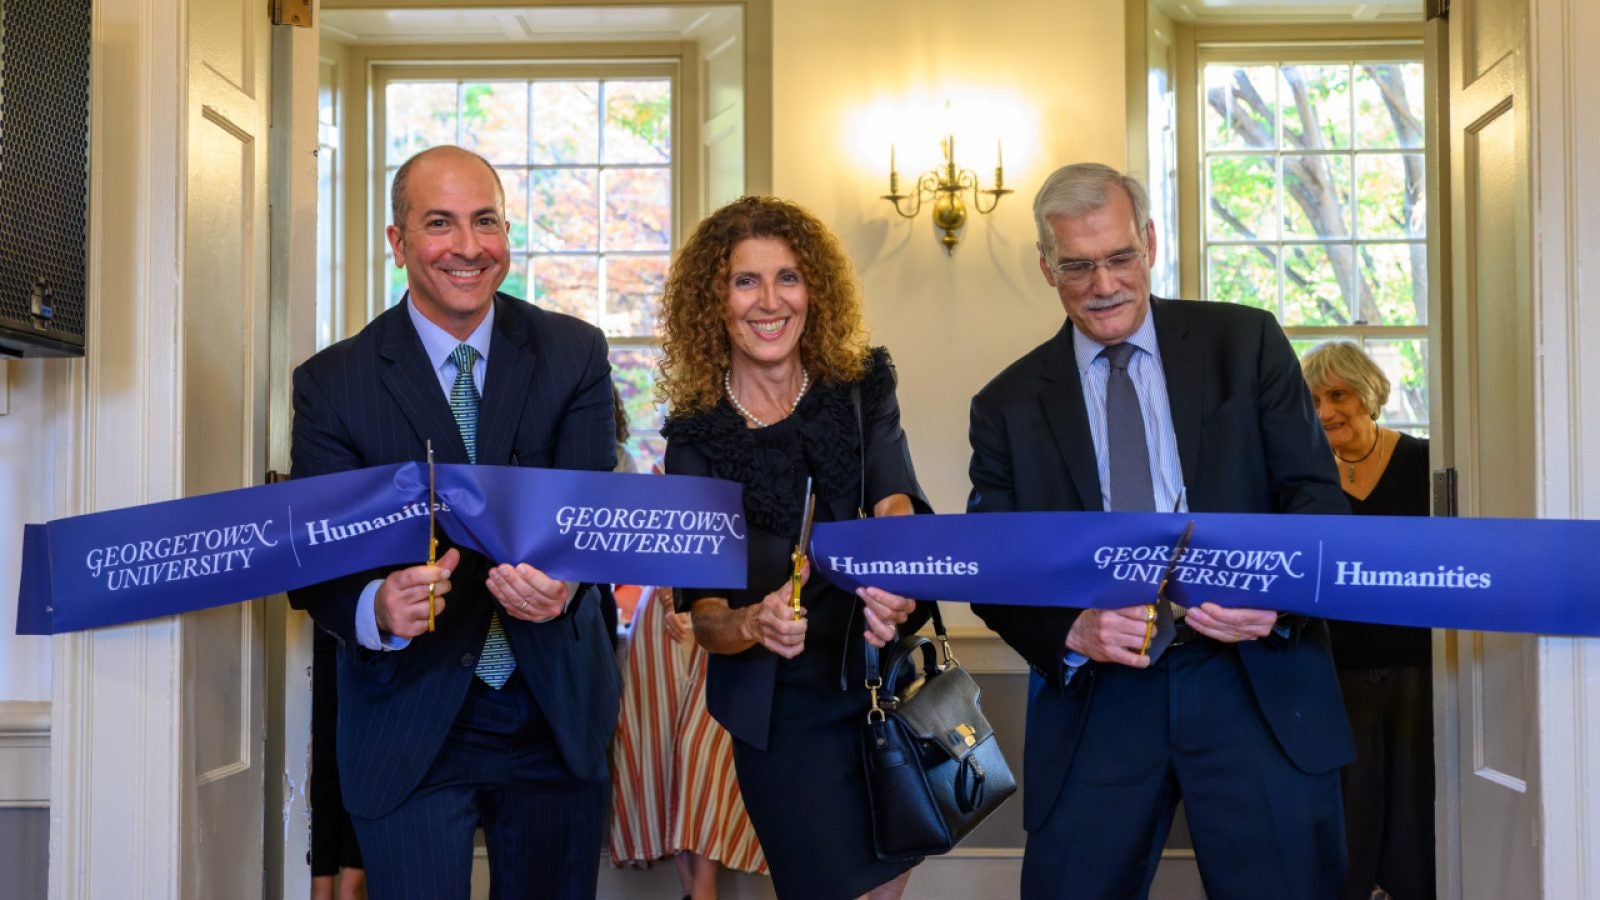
{"points": [[1129, 464]]}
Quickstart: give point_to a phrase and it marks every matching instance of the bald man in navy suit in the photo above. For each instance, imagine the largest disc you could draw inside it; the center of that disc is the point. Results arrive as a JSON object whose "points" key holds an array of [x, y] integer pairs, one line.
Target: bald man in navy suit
{"points": [[1241, 716], [501, 716]]}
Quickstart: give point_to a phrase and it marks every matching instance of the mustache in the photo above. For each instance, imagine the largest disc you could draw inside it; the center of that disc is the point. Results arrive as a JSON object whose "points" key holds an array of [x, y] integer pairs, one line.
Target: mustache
{"points": [[1095, 304]]}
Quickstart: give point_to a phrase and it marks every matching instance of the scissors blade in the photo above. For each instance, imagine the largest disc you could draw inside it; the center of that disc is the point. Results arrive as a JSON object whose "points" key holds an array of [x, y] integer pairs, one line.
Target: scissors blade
{"points": [[805, 520]]}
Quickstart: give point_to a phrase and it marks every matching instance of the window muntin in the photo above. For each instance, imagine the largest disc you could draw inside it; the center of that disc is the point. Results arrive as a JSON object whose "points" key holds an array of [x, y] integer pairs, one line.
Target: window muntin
{"points": [[1315, 207]]}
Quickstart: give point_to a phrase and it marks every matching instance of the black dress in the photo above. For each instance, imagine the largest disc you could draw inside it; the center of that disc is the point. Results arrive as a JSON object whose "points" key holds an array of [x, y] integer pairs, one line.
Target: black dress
{"points": [[796, 723], [1386, 674]]}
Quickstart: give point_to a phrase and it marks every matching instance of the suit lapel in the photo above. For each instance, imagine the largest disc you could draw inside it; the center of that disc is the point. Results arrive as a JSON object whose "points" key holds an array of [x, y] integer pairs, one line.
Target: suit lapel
{"points": [[1061, 397], [414, 386], [1184, 364], [506, 385]]}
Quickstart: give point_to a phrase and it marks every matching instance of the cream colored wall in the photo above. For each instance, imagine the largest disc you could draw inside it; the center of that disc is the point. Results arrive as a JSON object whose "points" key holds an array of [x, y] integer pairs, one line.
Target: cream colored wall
{"points": [[27, 479], [951, 322]]}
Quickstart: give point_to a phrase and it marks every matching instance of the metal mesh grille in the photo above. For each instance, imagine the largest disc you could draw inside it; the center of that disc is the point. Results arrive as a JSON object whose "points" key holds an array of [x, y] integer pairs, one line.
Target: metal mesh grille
{"points": [[44, 160]]}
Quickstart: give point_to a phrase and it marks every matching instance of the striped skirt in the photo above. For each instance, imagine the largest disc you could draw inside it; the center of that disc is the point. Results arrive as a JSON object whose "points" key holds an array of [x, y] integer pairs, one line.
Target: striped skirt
{"points": [[673, 787]]}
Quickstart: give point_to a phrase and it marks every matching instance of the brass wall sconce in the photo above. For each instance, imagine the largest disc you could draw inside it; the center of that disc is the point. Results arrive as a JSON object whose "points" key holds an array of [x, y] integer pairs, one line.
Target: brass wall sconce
{"points": [[943, 187]]}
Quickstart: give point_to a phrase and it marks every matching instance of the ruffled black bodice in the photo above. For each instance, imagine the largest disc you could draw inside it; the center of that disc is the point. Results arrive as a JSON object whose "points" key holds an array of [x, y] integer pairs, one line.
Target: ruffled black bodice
{"points": [[824, 431]]}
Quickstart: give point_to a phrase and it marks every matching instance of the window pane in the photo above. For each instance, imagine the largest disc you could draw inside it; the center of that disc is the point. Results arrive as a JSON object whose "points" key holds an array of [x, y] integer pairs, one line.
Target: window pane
{"points": [[1243, 198], [638, 209], [1315, 284], [633, 370], [1239, 107], [1316, 196], [633, 292], [1397, 276], [418, 115], [565, 209], [566, 122], [568, 284], [397, 283], [1245, 275], [1389, 106], [1314, 102], [1405, 362], [494, 120], [515, 183], [638, 122], [649, 451], [516, 283], [1390, 202]]}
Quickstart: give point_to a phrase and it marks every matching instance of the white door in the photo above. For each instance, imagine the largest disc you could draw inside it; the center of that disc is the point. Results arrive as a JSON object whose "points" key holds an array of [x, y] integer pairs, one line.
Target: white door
{"points": [[1488, 684], [225, 301]]}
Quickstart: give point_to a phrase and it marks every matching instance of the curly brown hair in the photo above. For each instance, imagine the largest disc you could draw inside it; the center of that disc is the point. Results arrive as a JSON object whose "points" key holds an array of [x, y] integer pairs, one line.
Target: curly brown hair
{"points": [[694, 307]]}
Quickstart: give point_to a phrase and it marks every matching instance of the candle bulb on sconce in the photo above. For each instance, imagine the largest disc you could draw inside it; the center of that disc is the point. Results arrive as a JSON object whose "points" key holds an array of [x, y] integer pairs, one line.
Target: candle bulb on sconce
{"points": [[943, 187]]}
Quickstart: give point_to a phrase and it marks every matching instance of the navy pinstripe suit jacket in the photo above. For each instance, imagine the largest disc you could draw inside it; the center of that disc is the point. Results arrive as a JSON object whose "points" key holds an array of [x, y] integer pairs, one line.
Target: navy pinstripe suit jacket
{"points": [[374, 399]]}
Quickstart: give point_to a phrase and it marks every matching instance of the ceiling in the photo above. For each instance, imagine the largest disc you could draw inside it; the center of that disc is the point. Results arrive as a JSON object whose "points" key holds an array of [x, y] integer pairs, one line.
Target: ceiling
{"points": [[468, 26], [1254, 11]]}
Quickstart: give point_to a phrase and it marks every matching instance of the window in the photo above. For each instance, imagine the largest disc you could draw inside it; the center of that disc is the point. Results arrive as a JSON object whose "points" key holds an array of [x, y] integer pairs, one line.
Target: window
{"points": [[587, 165], [1315, 206]]}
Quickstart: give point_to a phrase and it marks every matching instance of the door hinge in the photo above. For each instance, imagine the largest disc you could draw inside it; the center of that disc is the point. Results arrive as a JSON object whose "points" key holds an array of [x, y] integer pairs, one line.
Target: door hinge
{"points": [[1444, 492], [291, 12], [273, 476]]}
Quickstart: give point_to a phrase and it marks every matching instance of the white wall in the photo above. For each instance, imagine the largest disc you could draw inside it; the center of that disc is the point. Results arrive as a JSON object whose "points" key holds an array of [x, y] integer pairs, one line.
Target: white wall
{"points": [[27, 491]]}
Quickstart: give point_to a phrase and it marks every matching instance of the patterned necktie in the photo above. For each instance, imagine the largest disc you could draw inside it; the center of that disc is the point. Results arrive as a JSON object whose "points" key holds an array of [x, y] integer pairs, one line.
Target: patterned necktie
{"points": [[1131, 486], [495, 663]]}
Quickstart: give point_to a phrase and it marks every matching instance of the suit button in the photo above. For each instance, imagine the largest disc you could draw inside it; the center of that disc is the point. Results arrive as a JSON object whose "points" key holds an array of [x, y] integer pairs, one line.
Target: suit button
{"points": [[467, 660]]}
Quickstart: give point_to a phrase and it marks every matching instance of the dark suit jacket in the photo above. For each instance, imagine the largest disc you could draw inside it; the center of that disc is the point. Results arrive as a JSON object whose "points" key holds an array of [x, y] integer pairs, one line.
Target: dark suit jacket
{"points": [[1248, 441], [374, 399]]}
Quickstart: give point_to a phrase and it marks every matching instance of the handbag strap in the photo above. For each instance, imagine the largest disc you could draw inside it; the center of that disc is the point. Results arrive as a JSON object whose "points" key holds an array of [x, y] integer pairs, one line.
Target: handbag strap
{"points": [[861, 448]]}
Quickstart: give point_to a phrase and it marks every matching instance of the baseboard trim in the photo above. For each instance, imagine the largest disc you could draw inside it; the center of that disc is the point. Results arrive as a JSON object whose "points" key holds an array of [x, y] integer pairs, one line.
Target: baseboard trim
{"points": [[24, 754]]}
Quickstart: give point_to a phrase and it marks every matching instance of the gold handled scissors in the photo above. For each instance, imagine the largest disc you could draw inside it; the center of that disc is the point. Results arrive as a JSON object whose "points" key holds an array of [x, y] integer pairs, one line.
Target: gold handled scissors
{"points": [[1153, 610], [798, 558], [433, 537]]}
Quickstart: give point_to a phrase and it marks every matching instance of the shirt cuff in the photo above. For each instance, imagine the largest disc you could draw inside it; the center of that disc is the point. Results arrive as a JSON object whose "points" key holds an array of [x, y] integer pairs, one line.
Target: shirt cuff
{"points": [[1071, 663], [367, 633]]}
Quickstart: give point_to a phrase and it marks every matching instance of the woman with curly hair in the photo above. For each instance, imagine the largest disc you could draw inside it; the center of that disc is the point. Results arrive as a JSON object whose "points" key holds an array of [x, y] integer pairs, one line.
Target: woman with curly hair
{"points": [[769, 380]]}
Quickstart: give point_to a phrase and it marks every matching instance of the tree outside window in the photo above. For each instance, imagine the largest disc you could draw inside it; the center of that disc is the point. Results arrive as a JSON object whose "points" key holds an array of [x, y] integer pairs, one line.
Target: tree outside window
{"points": [[587, 167], [1314, 177]]}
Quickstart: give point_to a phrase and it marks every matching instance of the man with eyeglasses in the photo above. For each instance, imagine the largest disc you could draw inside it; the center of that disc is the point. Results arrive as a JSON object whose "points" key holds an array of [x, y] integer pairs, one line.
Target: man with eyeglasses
{"points": [[1140, 403]]}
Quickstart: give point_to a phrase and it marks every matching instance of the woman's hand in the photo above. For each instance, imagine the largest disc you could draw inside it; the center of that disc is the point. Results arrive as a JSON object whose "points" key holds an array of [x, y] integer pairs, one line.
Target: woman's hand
{"points": [[885, 613], [771, 623]]}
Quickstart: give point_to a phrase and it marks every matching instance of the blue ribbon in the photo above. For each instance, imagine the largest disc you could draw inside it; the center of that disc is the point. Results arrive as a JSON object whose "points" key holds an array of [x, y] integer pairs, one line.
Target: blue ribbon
{"points": [[1475, 574], [182, 555]]}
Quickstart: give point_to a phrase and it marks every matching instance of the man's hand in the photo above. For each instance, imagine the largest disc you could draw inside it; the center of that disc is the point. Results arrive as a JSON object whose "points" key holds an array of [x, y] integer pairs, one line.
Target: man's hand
{"points": [[771, 623], [885, 612], [1111, 635], [526, 593], [1231, 626], [401, 604]]}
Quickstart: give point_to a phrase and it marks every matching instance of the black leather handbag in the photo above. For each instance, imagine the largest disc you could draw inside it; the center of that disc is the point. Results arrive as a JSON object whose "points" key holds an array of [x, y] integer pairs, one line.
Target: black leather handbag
{"points": [[934, 769]]}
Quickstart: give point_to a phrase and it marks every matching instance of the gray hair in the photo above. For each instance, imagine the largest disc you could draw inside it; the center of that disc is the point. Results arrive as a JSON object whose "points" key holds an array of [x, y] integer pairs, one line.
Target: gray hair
{"points": [[1350, 363], [400, 201], [1082, 188]]}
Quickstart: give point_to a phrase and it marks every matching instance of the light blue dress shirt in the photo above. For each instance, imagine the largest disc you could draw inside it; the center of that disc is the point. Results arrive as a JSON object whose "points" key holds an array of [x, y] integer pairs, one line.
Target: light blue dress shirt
{"points": [[438, 344]]}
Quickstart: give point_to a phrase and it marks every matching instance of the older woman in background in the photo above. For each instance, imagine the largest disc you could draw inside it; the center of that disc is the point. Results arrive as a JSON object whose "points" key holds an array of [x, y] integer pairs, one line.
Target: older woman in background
{"points": [[1384, 670], [769, 380]]}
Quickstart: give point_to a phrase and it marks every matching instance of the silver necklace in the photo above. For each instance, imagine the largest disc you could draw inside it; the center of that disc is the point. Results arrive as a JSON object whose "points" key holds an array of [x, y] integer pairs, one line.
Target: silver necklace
{"points": [[727, 386]]}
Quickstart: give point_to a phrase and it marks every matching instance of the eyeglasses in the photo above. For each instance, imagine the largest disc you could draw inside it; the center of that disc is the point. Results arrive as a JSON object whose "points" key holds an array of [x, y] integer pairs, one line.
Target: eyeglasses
{"points": [[1079, 272]]}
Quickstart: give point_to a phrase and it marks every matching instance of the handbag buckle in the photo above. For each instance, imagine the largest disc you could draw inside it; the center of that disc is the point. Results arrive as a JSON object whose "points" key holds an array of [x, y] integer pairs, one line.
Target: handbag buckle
{"points": [[945, 651], [876, 713]]}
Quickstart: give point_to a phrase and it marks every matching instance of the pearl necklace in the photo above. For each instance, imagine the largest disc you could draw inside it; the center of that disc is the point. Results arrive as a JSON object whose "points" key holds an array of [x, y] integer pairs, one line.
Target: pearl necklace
{"points": [[727, 386]]}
